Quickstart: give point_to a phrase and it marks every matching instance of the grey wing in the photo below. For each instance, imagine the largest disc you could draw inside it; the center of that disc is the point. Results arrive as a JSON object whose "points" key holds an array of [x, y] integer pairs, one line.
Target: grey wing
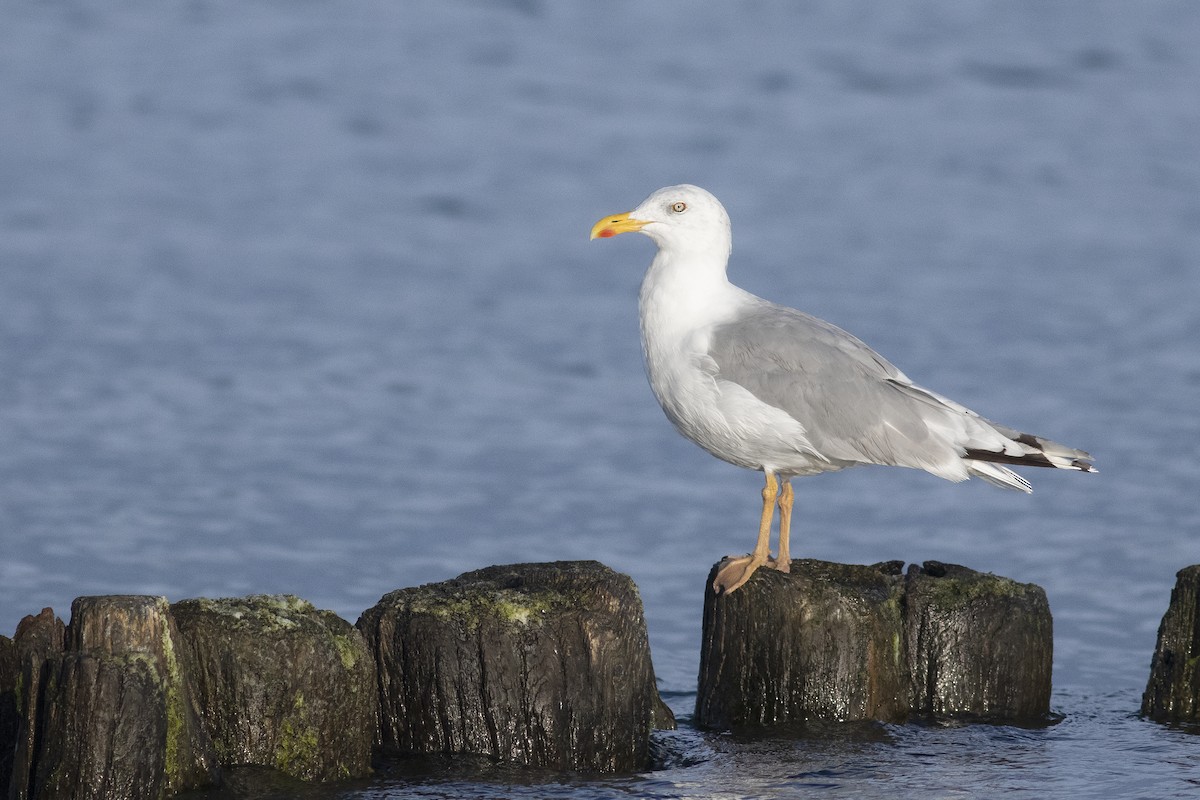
{"points": [[854, 405]]}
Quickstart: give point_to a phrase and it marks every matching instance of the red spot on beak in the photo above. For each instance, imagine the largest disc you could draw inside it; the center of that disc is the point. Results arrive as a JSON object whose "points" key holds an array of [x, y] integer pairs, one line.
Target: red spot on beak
{"points": [[607, 233]]}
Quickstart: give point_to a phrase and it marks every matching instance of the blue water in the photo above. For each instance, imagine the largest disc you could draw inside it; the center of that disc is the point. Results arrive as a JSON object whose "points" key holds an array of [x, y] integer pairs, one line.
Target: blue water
{"points": [[298, 297]]}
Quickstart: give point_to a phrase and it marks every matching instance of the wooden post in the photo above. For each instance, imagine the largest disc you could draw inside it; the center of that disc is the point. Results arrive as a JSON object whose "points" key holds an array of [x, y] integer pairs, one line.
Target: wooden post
{"points": [[111, 715], [1173, 690], [824, 641], [39, 638], [282, 684], [846, 642], [542, 664]]}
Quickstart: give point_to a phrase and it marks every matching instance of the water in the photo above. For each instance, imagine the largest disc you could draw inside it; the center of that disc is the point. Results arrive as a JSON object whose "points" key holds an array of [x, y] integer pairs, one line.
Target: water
{"points": [[298, 297]]}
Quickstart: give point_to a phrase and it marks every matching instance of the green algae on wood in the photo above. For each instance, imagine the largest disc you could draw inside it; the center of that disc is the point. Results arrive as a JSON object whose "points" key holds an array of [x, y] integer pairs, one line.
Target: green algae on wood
{"points": [[298, 745]]}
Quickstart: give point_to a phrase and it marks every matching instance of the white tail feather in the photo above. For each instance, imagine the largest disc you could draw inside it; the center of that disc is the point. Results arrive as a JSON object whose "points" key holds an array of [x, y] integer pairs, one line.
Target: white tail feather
{"points": [[1000, 476]]}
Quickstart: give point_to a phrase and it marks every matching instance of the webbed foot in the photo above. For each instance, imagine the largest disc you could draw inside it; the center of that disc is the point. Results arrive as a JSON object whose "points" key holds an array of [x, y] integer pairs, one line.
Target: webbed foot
{"points": [[734, 572]]}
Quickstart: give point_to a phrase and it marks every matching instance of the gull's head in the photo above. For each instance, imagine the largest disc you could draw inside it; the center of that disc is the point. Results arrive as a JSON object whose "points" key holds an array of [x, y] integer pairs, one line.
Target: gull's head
{"points": [[683, 217]]}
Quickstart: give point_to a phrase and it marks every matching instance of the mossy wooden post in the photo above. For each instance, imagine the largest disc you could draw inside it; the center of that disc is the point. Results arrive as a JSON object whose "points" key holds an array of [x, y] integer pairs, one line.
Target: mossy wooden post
{"points": [[115, 717], [979, 645], [282, 684], [1173, 690], [824, 641], [542, 664]]}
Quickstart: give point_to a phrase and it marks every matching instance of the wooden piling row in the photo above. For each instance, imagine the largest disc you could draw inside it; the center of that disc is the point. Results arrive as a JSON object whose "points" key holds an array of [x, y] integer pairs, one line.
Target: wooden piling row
{"points": [[539, 664], [546, 665]]}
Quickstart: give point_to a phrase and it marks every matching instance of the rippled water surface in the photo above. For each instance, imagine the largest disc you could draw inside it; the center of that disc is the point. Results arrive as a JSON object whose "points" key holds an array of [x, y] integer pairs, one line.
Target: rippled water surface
{"points": [[298, 297]]}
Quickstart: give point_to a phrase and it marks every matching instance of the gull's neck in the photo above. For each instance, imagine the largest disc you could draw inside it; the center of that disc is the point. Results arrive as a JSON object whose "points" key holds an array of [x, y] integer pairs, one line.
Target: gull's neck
{"points": [[685, 290]]}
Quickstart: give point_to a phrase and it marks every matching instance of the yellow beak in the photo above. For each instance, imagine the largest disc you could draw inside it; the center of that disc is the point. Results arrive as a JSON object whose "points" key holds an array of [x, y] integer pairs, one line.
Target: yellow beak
{"points": [[611, 226]]}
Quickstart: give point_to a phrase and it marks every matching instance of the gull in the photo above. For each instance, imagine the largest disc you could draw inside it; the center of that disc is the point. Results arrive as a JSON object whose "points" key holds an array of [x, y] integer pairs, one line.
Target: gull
{"points": [[773, 389]]}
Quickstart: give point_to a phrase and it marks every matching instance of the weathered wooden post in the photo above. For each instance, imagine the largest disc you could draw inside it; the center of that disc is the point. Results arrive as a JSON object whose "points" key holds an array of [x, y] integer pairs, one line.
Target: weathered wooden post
{"points": [[1173, 690], [281, 684], [542, 664], [824, 641], [110, 714], [39, 638], [847, 642], [979, 645]]}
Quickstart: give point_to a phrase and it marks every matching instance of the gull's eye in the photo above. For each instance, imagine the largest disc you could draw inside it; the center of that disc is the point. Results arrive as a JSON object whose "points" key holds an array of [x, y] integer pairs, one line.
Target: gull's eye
{"points": [[679, 207]]}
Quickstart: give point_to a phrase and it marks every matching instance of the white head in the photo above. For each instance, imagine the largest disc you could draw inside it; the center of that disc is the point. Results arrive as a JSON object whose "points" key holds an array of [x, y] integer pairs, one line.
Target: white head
{"points": [[678, 218]]}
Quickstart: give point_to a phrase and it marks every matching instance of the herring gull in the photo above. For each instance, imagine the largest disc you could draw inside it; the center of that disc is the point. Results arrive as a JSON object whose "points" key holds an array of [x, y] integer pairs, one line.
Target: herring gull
{"points": [[771, 388]]}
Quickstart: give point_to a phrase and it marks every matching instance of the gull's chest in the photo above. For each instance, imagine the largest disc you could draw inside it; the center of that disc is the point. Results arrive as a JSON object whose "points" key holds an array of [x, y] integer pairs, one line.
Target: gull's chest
{"points": [[676, 333], [682, 375]]}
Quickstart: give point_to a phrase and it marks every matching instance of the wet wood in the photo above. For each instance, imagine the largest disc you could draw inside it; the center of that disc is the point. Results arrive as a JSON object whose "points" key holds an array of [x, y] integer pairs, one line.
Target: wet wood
{"points": [[847, 642], [110, 714], [1173, 690], [281, 684], [38, 638], [978, 645], [824, 641], [541, 664]]}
